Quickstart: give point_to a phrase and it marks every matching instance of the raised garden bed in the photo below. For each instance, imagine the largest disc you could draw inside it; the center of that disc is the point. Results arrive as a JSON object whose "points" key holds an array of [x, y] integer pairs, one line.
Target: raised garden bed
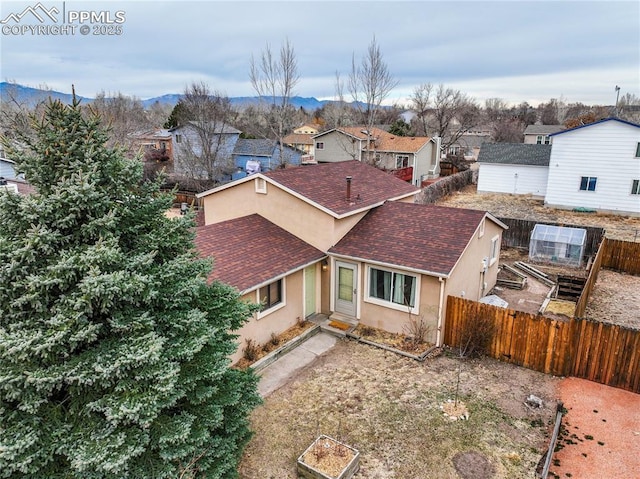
{"points": [[328, 458]]}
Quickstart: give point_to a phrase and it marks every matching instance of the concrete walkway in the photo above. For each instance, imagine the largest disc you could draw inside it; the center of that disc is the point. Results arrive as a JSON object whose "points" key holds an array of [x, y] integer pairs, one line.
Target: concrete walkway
{"points": [[283, 369]]}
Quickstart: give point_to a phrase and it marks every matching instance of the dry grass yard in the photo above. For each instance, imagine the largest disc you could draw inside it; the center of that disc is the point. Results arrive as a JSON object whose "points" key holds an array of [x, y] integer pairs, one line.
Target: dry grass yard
{"points": [[615, 299], [389, 407], [524, 207]]}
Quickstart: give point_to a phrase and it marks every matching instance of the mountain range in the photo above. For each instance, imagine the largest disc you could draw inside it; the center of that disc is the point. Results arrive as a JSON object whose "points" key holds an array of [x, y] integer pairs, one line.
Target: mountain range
{"points": [[31, 96]]}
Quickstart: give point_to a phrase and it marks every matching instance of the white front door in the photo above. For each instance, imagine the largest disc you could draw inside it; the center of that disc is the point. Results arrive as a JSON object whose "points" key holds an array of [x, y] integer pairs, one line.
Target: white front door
{"points": [[345, 288]]}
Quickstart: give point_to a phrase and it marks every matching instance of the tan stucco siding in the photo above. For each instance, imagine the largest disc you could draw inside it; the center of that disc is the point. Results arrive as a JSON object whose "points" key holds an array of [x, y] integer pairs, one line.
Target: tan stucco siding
{"points": [[281, 319], [397, 320], [466, 279]]}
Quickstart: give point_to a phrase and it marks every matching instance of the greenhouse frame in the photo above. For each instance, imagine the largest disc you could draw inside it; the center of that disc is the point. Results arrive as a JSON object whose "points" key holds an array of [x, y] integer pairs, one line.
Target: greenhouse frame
{"points": [[557, 244]]}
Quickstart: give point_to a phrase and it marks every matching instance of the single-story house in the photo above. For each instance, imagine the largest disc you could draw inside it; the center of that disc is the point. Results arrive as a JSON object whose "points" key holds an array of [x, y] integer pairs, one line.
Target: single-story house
{"points": [[515, 168], [540, 134]]}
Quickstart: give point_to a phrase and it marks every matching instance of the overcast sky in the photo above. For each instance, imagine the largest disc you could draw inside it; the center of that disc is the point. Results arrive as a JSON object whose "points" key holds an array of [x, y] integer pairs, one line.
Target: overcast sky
{"points": [[515, 50]]}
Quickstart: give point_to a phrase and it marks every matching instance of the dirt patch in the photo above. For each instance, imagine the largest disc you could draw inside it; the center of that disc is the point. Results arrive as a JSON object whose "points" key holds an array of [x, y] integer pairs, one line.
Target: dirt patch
{"points": [[473, 465], [396, 341], [525, 207], [601, 432], [615, 299], [389, 408]]}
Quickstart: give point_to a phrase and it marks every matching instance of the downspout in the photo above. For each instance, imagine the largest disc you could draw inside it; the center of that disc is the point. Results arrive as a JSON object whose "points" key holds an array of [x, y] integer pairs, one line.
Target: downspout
{"points": [[440, 310]]}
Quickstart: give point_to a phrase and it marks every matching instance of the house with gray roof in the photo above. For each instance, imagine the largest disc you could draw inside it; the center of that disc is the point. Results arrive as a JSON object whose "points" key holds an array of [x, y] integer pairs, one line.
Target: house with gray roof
{"points": [[540, 134], [515, 168]]}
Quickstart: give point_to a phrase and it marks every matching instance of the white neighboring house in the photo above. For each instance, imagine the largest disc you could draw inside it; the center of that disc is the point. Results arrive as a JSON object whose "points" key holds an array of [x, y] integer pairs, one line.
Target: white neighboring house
{"points": [[596, 166], [513, 168]]}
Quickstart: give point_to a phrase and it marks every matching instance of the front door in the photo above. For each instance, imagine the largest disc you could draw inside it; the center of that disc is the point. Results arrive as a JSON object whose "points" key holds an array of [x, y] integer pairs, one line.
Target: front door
{"points": [[345, 284], [309, 290]]}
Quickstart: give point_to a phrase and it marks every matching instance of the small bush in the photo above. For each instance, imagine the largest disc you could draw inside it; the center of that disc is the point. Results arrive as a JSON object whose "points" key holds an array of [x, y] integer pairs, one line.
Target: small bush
{"points": [[251, 350], [274, 340]]}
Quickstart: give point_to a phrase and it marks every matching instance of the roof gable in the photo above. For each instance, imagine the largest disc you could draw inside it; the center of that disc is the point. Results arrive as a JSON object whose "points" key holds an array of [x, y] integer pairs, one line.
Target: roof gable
{"points": [[325, 185], [515, 154], [425, 238], [624, 122], [251, 251]]}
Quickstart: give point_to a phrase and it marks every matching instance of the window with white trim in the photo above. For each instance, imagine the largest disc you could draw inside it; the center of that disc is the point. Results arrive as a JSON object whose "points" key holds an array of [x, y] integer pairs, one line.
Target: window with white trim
{"points": [[495, 250], [543, 140], [319, 145], [588, 183], [178, 138], [271, 296], [393, 287], [635, 187], [402, 161]]}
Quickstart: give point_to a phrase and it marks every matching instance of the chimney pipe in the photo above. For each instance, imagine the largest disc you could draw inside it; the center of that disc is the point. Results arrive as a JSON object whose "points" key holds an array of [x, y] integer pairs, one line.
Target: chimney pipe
{"points": [[348, 188]]}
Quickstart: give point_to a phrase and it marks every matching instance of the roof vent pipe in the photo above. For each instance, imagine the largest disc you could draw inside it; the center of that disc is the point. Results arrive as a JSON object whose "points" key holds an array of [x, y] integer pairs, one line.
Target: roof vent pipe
{"points": [[348, 188]]}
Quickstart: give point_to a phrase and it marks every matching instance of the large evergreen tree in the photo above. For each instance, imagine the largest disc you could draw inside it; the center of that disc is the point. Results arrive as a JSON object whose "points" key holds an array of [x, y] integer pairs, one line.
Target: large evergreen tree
{"points": [[113, 347]]}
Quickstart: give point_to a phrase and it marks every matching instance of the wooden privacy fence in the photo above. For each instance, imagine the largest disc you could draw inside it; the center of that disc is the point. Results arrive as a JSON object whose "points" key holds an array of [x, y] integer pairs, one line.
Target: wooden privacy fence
{"points": [[621, 256], [605, 353], [519, 234]]}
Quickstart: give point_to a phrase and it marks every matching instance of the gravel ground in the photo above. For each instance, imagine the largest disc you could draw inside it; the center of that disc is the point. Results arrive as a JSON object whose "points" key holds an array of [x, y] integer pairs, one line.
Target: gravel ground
{"points": [[525, 207]]}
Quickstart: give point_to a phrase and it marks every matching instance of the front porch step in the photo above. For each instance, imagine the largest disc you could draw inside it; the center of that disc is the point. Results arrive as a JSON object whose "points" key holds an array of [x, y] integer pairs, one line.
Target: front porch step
{"points": [[349, 322]]}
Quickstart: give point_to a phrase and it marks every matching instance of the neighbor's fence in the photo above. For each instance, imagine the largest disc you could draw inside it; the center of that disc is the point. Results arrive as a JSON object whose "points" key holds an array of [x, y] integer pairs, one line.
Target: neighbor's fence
{"points": [[443, 187], [581, 304], [601, 352], [519, 234], [621, 256]]}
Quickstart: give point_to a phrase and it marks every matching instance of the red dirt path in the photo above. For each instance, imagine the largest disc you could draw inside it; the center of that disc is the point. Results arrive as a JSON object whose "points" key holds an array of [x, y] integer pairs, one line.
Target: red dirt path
{"points": [[601, 436]]}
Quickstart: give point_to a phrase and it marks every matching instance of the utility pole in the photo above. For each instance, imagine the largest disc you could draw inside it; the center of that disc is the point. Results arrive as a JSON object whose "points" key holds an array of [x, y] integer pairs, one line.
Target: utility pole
{"points": [[617, 96]]}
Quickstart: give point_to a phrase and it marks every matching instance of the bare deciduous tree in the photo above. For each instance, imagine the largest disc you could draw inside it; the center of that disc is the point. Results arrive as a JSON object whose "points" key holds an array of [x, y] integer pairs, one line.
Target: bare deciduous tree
{"points": [[274, 79], [124, 116], [454, 114], [204, 149], [369, 84], [420, 102]]}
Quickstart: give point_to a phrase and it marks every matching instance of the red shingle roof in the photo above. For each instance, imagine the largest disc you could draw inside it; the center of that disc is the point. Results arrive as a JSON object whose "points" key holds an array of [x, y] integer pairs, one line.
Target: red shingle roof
{"points": [[251, 250], [421, 237], [326, 185]]}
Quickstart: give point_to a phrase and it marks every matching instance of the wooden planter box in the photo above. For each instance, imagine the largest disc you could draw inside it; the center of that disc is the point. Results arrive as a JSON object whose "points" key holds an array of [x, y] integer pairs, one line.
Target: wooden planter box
{"points": [[310, 463]]}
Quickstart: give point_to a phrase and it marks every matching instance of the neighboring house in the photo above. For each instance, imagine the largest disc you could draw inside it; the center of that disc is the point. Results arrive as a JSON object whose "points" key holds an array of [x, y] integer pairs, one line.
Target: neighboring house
{"points": [[195, 141], [306, 129], [403, 260], [540, 134], [408, 116], [253, 155], [155, 145], [514, 168], [596, 166], [468, 146], [343, 223], [302, 142], [593, 167], [414, 158]]}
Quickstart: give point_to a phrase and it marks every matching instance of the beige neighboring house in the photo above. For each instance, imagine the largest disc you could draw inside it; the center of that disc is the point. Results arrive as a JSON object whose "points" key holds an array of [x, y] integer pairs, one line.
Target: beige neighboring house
{"points": [[541, 134], [302, 139], [414, 159], [346, 240]]}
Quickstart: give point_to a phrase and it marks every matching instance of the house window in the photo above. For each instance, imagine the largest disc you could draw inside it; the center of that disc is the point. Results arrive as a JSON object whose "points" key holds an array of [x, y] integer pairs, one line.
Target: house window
{"points": [[270, 295], [635, 187], [402, 161], [392, 287], [543, 140], [178, 138], [319, 145], [495, 249], [588, 183], [638, 150]]}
